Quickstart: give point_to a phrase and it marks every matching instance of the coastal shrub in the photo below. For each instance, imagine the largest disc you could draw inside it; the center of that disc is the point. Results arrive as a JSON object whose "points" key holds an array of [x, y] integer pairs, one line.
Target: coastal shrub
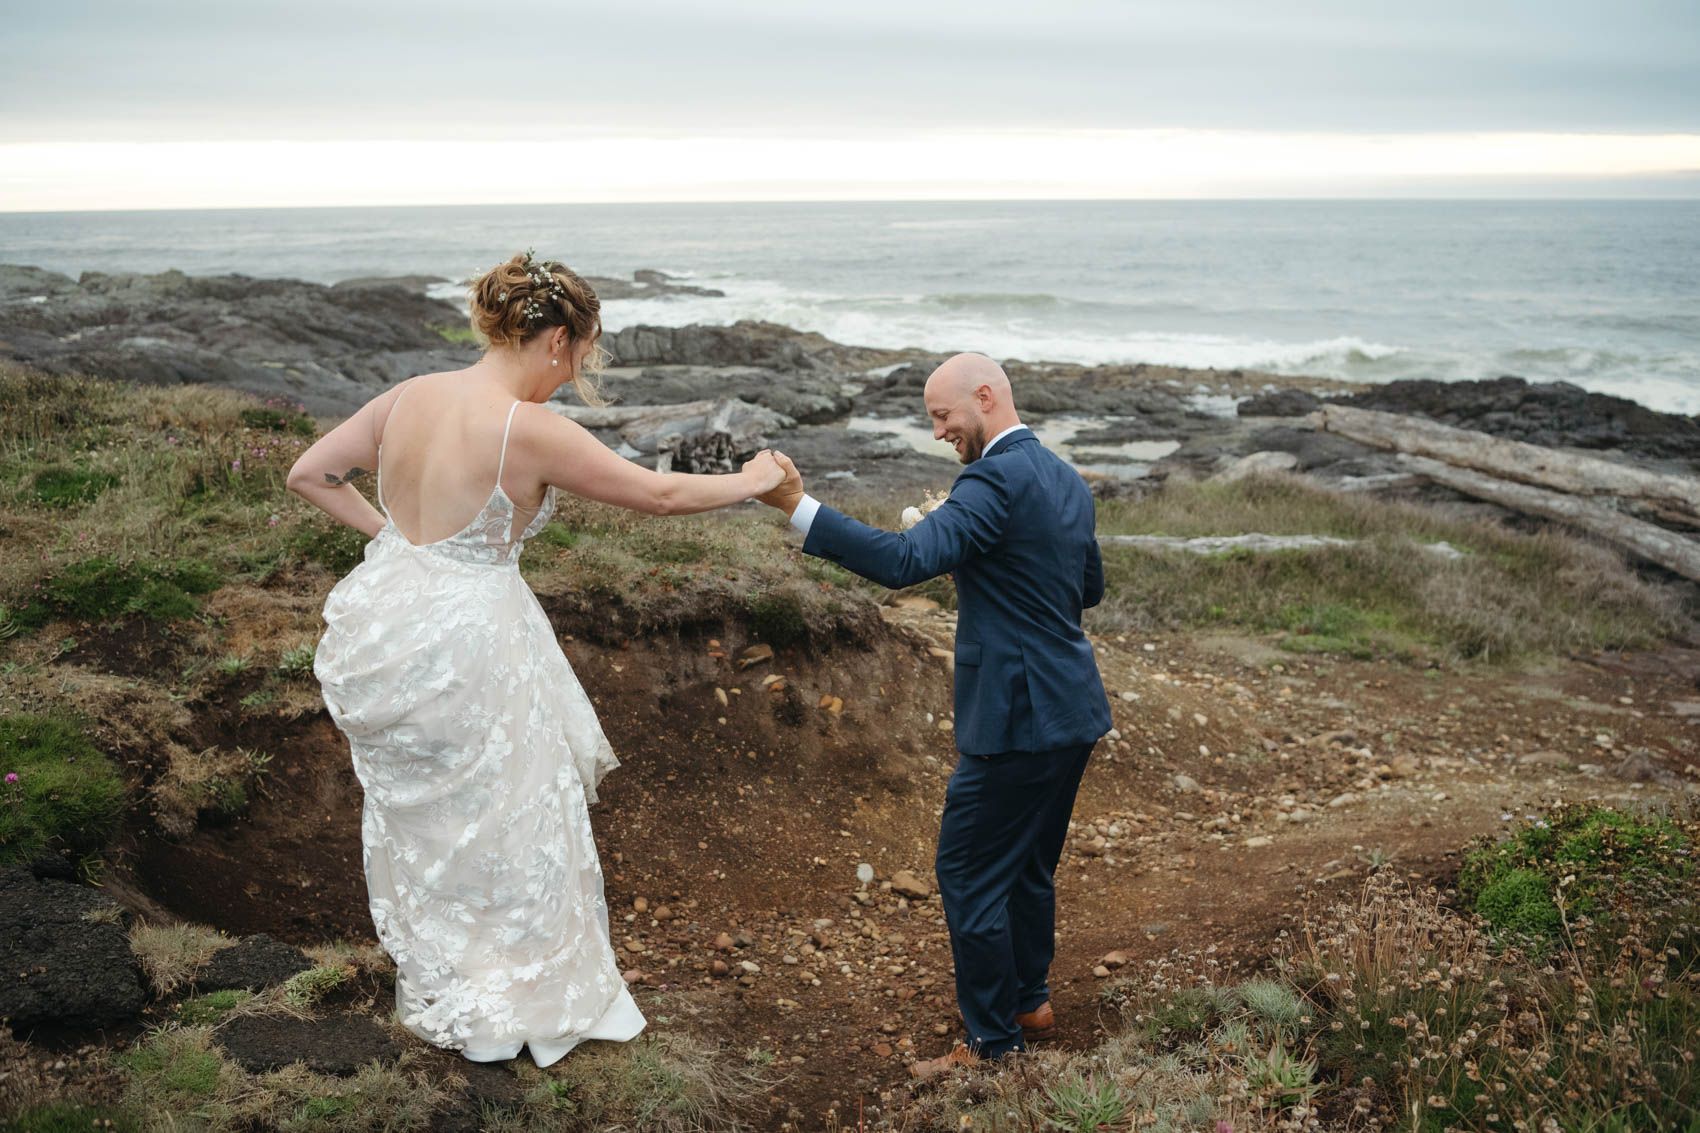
{"points": [[279, 420], [1591, 858], [68, 487], [59, 792], [101, 588], [777, 617], [334, 546]]}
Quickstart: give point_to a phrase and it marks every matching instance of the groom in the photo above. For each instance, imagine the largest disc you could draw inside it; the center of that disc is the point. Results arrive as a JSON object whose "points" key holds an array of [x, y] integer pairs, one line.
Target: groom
{"points": [[1018, 534]]}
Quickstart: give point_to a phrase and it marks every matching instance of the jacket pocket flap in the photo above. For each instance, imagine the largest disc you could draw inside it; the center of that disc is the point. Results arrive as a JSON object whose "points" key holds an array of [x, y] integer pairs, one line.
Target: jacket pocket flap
{"points": [[968, 653]]}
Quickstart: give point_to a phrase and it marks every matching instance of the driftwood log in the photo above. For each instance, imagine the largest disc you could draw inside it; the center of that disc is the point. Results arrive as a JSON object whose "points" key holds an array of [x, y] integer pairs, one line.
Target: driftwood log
{"points": [[1667, 548], [1653, 495], [693, 436], [1255, 542]]}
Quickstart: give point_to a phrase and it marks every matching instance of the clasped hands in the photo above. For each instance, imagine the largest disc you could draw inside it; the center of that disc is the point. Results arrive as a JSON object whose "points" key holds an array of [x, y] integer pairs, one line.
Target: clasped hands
{"points": [[787, 492]]}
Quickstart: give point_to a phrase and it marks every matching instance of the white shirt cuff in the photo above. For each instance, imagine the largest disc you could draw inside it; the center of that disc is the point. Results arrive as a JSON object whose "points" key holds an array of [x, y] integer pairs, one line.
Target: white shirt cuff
{"points": [[803, 517]]}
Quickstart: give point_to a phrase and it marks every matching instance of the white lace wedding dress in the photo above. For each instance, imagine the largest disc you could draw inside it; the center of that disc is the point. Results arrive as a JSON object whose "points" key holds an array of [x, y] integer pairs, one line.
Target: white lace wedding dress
{"points": [[480, 754]]}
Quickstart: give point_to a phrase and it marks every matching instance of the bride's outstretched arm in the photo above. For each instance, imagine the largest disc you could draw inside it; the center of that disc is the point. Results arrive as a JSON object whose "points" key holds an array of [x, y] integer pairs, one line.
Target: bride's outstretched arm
{"points": [[571, 458]]}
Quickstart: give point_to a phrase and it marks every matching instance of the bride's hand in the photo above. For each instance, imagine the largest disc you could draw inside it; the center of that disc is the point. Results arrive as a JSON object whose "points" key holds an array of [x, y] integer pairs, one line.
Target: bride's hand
{"points": [[765, 471]]}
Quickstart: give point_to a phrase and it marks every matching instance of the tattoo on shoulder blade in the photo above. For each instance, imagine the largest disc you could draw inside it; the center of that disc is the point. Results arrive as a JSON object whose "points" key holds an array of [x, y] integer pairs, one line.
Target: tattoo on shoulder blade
{"points": [[348, 477]]}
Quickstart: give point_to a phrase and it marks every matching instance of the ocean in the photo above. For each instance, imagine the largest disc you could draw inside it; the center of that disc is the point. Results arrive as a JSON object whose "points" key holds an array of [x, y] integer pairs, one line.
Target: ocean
{"points": [[1604, 294]]}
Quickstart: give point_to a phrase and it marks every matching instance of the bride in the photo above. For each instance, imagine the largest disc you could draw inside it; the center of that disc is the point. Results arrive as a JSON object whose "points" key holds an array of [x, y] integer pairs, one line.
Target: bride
{"points": [[477, 747]]}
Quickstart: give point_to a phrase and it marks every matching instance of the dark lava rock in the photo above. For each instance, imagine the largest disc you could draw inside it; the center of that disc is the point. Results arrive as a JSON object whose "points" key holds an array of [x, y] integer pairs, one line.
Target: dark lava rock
{"points": [[1550, 413], [339, 1044], [253, 964], [330, 348], [1280, 403], [65, 960], [746, 343], [811, 397]]}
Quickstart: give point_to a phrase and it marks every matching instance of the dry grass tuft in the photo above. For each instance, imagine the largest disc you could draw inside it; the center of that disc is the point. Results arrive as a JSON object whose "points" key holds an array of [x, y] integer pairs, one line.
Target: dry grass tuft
{"points": [[170, 955]]}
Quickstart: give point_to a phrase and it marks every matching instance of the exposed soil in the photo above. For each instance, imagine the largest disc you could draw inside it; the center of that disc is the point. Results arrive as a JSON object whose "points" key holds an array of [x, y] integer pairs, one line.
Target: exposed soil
{"points": [[750, 820]]}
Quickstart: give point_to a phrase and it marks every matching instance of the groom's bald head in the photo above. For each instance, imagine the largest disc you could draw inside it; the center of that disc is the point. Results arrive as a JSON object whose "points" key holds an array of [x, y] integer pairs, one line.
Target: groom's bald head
{"points": [[969, 400]]}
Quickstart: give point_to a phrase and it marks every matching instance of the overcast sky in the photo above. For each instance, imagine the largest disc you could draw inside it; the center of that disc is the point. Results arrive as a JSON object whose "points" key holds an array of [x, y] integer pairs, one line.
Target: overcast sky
{"points": [[76, 77]]}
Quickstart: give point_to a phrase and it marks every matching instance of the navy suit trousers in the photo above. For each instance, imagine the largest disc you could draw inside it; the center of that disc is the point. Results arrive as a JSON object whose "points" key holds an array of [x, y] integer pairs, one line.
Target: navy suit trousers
{"points": [[1005, 822]]}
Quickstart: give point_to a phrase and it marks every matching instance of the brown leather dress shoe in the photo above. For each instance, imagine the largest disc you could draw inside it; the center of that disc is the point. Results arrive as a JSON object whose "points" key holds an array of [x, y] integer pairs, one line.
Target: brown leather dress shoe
{"points": [[1038, 1024], [959, 1055]]}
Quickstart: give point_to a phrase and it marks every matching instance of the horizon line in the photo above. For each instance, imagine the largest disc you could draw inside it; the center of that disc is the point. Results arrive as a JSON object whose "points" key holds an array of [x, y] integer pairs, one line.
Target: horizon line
{"points": [[1343, 198]]}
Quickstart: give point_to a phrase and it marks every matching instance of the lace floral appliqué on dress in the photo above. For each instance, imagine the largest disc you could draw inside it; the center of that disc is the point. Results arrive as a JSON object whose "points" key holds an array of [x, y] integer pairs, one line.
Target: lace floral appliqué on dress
{"points": [[480, 755]]}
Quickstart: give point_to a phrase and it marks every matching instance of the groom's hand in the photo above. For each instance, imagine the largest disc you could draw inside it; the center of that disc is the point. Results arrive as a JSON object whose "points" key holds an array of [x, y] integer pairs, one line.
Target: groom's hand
{"points": [[789, 494]]}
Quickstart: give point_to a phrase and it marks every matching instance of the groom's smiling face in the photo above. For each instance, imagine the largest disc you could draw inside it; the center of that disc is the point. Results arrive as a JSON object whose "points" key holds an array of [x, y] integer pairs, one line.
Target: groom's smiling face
{"points": [[961, 424]]}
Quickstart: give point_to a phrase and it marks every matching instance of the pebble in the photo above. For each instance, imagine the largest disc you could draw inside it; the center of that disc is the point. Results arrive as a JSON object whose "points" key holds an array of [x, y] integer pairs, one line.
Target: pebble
{"points": [[905, 884]]}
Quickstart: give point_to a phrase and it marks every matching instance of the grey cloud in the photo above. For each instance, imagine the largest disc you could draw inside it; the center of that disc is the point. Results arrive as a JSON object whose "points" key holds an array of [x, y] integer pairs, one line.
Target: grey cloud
{"points": [[107, 71]]}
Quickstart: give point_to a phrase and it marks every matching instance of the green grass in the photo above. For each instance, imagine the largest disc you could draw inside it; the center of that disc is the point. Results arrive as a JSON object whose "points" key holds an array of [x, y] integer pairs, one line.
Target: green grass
{"points": [[1512, 597], [461, 336], [69, 487], [72, 1117], [205, 1010], [102, 588], [67, 797]]}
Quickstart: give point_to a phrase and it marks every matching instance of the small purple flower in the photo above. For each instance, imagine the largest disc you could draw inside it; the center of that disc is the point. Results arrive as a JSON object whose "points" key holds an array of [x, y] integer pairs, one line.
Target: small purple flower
{"points": [[11, 776], [236, 465], [1224, 1127]]}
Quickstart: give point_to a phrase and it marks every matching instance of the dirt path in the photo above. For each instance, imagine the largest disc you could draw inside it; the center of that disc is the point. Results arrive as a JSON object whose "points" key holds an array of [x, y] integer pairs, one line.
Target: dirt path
{"points": [[1242, 778]]}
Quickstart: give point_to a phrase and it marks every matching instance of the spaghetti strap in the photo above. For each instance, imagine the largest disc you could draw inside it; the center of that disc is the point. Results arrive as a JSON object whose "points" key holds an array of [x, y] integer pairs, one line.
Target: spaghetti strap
{"points": [[502, 461], [401, 393]]}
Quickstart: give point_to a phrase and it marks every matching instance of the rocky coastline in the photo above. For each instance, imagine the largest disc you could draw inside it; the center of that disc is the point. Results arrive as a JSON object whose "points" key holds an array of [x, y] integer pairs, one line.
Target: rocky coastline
{"points": [[847, 411]]}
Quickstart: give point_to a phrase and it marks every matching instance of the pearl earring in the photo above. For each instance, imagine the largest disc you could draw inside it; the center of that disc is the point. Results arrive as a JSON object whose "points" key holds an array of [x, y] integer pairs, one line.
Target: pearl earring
{"points": [[554, 361]]}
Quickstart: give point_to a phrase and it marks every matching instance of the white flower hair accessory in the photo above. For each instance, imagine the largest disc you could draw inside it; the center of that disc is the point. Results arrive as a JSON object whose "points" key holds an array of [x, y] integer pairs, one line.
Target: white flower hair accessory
{"points": [[545, 288]]}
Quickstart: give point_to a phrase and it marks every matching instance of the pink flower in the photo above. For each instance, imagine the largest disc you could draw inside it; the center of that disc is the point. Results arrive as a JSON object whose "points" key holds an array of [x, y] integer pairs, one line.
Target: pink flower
{"points": [[272, 522], [11, 776], [1224, 1127], [236, 465]]}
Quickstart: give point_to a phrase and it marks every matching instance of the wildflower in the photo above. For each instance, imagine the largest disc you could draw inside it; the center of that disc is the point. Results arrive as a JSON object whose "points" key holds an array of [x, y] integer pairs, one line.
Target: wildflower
{"points": [[236, 465], [1224, 1127], [273, 521], [11, 776]]}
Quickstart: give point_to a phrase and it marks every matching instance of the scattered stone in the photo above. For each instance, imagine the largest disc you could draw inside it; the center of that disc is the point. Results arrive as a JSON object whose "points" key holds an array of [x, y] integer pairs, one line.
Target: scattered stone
{"points": [[1114, 960], [640, 905], [1258, 841], [724, 942], [1184, 782], [904, 883], [755, 655], [1100, 972]]}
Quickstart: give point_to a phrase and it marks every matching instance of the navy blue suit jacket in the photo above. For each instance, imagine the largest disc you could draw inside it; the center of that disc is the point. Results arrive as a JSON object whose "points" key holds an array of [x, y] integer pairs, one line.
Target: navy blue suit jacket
{"points": [[1019, 532]]}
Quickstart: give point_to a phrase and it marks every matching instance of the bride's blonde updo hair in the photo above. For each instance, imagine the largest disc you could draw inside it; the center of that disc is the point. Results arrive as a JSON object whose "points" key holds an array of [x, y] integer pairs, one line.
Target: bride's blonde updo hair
{"points": [[516, 301]]}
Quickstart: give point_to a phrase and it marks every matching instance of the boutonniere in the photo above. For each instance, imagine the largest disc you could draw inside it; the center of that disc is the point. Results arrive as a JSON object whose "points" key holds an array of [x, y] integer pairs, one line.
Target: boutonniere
{"points": [[914, 515]]}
